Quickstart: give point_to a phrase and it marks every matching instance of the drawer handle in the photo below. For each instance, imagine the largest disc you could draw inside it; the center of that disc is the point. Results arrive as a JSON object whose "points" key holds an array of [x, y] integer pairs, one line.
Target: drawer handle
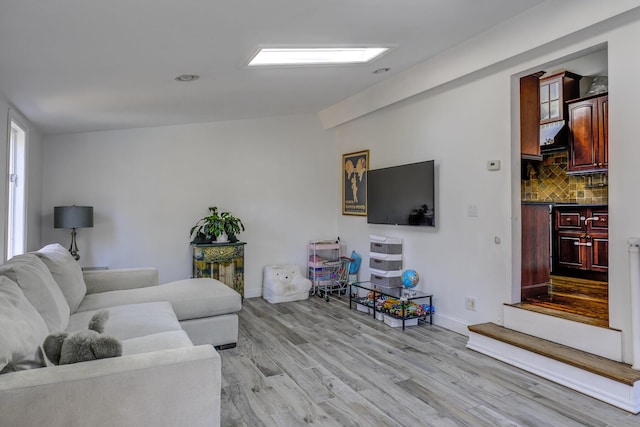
{"points": [[591, 218], [582, 244], [377, 261]]}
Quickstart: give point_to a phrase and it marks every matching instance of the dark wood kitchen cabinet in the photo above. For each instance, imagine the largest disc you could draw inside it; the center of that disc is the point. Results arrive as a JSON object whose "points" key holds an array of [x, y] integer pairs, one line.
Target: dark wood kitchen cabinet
{"points": [[589, 135], [530, 117], [581, 241], [555, 90], [536, 247], [543, 112]]}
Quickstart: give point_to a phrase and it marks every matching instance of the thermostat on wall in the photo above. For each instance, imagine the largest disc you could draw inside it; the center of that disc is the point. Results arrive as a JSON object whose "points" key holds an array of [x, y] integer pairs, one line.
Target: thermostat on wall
{"points": [[493, 165]]}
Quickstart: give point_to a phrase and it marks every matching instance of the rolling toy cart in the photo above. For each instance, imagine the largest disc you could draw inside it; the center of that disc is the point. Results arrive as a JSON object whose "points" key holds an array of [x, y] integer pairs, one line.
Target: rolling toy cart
{"points": [[336, 278]]}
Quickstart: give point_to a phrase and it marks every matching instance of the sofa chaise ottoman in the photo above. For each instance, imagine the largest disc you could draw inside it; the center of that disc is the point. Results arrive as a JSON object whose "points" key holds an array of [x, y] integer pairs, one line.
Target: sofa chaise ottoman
{"points": [[161, 379]]}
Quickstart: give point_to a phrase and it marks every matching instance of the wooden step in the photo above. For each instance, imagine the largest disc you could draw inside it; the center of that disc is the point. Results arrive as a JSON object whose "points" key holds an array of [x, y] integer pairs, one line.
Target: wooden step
{"points": [[598, 365], [570, 312]]}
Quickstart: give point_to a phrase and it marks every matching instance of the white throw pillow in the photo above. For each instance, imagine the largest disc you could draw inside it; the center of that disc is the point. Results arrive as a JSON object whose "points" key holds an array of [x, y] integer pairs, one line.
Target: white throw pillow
{"points": [[66, 272], [22, 331], [37, 284]]}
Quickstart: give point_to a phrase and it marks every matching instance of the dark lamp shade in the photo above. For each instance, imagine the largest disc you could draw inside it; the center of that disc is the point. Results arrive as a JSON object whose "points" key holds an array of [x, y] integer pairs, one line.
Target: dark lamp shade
{"points": [[73, 216]]}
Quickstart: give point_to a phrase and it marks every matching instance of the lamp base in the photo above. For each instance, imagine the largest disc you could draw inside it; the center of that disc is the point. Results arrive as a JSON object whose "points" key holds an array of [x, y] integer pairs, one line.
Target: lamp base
{"points": [[74, 247]]}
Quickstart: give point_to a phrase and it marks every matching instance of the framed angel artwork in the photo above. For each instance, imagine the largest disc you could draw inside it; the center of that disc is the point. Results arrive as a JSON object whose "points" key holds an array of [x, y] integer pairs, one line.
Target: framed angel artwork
{"points": [[354, 183]]}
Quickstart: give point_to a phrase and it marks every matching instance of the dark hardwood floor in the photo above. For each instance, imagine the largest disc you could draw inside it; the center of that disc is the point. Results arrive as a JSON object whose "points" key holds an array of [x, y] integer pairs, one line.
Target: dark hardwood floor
{"points": [[581, 300], [313, 362]]}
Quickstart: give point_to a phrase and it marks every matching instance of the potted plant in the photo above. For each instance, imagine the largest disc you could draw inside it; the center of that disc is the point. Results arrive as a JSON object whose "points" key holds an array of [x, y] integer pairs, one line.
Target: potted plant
{"points": [[232, 226], [216, 227]]}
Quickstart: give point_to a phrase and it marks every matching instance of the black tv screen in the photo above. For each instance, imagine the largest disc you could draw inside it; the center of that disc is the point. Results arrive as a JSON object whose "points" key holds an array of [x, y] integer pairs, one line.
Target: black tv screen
{"points": [[402, 195]]}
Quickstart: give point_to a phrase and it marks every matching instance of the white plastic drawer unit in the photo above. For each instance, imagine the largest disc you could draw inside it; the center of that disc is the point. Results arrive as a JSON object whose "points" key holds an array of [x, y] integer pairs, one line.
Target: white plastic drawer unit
{"points": [[387, 262], [386, 278], [385, 245], [389, 282], [386, 248]]}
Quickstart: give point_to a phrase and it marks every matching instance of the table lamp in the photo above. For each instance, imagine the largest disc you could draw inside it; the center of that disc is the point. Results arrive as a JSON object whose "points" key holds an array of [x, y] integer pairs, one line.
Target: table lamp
{"points": [[73, 217]]}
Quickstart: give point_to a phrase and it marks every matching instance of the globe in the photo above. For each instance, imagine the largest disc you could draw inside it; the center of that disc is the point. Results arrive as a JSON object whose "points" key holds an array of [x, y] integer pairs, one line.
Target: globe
{"points": [[410, 279]]}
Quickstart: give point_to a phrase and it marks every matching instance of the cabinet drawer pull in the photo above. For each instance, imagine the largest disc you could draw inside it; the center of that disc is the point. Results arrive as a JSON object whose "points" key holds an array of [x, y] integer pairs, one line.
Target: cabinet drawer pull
{"points": [[582, 244], [592, 218]]}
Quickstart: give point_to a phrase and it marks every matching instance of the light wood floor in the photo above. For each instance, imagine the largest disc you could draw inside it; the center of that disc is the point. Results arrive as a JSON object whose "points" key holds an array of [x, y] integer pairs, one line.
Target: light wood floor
{"points": [[313, 362]]}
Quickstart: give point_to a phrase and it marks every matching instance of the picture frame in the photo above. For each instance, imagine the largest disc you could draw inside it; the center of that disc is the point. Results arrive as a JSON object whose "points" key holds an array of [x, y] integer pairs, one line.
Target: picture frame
{"points": [[354, 183]]}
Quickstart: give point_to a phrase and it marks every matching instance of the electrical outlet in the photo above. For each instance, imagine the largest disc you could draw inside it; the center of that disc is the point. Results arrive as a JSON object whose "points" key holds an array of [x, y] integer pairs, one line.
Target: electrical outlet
{"points": [[470, 303]]}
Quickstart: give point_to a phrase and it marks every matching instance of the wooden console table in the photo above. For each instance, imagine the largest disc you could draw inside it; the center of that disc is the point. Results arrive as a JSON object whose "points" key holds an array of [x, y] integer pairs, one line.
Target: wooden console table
{"points": [[222, 261]]}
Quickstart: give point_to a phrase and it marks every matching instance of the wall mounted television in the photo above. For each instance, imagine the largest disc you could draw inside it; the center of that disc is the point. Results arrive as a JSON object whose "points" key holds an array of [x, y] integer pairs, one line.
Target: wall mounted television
{"points": [[402, 195]]}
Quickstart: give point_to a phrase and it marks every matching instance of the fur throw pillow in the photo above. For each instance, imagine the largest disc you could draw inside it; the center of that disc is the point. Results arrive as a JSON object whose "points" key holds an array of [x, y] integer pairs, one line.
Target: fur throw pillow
{"points": [[62, 348]]}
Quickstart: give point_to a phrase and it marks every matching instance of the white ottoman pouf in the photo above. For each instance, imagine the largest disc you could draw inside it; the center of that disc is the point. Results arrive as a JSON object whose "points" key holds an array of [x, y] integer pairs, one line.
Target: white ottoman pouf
{"points": [[284, 283]]}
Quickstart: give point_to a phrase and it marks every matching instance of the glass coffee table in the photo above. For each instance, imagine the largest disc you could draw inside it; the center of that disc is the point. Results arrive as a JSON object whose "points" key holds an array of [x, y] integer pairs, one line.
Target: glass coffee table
{"points": [[403, 295]]}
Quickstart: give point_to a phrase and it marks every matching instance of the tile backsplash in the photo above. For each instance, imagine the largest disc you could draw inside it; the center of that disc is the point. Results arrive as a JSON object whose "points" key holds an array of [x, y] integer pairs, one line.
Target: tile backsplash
{"points": [[549, 182]]}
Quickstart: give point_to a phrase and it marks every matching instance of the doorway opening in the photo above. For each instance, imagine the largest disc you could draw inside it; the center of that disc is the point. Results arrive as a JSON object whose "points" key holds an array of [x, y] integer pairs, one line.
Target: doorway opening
{"points": [[564, 189]]}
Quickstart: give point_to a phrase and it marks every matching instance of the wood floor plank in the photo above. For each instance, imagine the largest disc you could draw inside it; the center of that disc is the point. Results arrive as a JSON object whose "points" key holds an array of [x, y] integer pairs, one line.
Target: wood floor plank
{"points": [[246, 404], [230, 416], [317, 363], [357, 414], [304, 411]]}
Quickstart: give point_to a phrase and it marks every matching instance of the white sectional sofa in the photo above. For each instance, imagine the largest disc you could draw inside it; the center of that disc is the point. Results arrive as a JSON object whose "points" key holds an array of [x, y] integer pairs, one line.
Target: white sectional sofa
{"points": [[169, 373]]}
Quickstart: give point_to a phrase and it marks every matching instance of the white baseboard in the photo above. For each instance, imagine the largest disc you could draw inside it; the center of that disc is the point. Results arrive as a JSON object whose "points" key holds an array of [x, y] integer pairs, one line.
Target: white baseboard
{"points": [[451, 323], [252, 292], [615, 393]]}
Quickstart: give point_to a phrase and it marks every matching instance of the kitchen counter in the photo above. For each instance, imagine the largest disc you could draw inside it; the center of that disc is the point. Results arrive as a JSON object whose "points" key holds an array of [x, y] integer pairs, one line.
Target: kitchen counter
{"points": [[586, 205]]}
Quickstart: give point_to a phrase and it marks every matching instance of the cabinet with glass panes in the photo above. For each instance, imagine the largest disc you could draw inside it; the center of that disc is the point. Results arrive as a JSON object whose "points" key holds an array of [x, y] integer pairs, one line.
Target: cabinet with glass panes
{"points": [[555, 90]]}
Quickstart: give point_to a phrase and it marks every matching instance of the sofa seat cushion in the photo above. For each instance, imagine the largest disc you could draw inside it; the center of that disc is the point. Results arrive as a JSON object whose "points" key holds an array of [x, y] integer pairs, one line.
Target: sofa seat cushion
{"points": [[131, 320], [42, 291], [156, 342], [22, 330], [190, 298], [66, 272]]}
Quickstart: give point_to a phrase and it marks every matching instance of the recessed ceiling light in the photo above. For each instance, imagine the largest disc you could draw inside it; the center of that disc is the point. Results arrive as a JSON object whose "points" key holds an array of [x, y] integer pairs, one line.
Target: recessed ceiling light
{"points": [[316, 56], [187, 77], [381, 70]]}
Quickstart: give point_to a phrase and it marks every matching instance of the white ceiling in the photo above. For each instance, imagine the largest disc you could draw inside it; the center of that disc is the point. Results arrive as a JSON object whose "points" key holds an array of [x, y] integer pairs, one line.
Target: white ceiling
{"points": [[84, 65]]}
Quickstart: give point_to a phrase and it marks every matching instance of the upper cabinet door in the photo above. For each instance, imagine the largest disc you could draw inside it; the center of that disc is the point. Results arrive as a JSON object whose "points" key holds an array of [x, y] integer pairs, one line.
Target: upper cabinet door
{"points": [[555, 90], [529, 113], [603, 115], [588, 146]]}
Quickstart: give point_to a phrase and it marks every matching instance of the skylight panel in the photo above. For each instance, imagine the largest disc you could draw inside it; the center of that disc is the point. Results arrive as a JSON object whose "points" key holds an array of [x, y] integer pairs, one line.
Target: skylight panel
{"points": [[315, 56]]}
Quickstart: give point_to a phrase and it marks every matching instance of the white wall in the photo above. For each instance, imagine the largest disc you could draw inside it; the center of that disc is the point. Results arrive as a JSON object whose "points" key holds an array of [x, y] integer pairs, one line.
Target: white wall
{"points": [[459, 257], [468, 121], [149, 187]]}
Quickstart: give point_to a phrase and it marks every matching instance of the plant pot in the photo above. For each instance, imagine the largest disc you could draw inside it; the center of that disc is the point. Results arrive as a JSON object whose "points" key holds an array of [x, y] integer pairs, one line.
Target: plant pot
{"points": [[222, 238], [201, 239]]}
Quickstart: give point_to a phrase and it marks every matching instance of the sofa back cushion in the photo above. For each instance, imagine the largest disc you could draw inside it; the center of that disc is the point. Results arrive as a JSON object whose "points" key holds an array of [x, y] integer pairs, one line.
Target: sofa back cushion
{"points": [[37, 284], [22, 332], [66, 272]]}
